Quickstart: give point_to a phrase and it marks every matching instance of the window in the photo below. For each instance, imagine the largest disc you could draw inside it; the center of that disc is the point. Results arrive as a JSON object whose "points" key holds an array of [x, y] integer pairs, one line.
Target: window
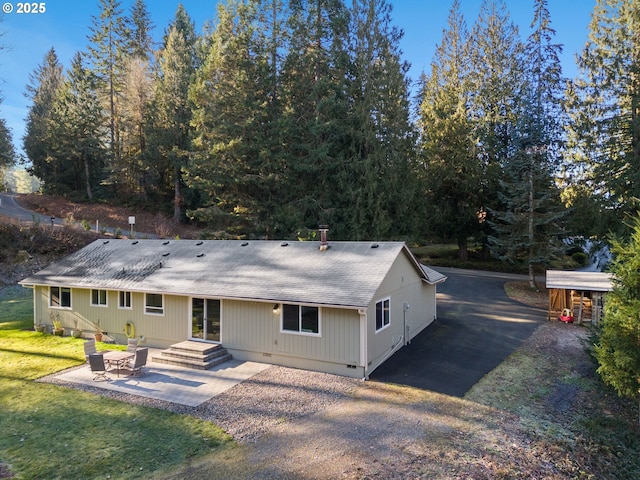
{"points": [[301, 319], [124, 300], [382, 314], [154, 304], [60, 297], [99, 298]]}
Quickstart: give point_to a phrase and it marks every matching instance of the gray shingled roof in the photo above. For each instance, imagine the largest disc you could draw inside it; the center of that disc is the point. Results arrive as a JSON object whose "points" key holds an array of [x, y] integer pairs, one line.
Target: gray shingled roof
{"points": [[577, 280], [347, 274]]}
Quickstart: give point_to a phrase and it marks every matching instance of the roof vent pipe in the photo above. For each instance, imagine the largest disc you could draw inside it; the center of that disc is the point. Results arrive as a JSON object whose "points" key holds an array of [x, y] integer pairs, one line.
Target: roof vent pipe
{"points": [[323, 237]]}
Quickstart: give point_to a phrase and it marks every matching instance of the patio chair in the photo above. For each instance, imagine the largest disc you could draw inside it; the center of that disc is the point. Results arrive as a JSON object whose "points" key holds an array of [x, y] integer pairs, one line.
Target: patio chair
{"points": [[96, 362], [132, 345], [139, 361], [89, 348]]}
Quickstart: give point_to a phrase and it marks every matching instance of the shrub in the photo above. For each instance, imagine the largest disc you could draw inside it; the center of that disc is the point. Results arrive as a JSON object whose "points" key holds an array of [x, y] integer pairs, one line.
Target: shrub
{"points": [[580, 258]]}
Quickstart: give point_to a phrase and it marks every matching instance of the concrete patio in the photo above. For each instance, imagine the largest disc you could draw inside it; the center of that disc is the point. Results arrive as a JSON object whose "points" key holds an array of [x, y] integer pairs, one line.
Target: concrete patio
{"points": [[170, 383]]}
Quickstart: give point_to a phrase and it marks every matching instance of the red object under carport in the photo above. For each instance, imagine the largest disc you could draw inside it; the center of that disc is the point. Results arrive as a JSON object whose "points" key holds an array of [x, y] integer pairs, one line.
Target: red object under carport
{"points": [[566, 316]]}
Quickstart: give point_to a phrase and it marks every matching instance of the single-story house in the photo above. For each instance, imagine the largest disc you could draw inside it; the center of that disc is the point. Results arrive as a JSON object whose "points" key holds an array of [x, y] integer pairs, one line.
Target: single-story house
{"points": [[583, 293], [339, 307]]}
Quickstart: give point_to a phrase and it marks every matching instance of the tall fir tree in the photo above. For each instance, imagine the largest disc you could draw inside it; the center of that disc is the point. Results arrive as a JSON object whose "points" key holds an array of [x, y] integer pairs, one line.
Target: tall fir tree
{"points": [[109, 44], [315, 107], [172, 112], [39, 139], [526, 227], [235, 124], [497, 73], [78, 123], [139, 32], [452, 175], [378, 170], [604, 105]]}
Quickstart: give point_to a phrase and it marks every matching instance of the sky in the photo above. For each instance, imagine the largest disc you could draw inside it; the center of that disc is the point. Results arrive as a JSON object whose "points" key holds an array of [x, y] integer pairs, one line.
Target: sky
{"points": [[25, 38]]}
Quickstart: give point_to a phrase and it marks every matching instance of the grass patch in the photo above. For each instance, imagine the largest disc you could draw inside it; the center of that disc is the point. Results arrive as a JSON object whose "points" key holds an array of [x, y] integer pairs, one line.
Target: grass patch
{"points": [[561, 402], [58, 433]]}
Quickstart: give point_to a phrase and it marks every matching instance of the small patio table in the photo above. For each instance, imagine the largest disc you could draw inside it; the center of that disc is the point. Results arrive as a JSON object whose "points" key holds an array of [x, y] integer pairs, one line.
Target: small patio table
{"points": [[118, 358]]}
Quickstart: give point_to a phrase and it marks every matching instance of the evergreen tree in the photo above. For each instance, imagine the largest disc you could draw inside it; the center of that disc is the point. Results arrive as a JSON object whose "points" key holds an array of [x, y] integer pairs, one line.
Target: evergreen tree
{"points": [[618, 346], [378, 171], [315, 107], [497, 73], [39, 140], [7, 150], [236, 124], [170, 136], [604, 105], [452, 173], [139, 31], [78, 123], [527, 225], [108, 50]]}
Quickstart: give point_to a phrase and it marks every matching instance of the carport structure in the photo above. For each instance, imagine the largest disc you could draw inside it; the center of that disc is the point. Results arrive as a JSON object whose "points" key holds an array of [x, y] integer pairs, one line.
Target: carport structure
{"points": [[583, 293]]}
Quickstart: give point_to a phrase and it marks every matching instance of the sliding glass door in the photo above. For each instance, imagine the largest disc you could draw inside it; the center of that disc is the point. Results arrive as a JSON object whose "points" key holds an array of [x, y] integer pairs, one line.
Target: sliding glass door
{"points": [[205, 319]]}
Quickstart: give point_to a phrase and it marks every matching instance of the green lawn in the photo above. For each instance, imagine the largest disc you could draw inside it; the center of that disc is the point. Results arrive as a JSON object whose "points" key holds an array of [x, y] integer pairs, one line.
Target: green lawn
{"points": [[54, 432]]}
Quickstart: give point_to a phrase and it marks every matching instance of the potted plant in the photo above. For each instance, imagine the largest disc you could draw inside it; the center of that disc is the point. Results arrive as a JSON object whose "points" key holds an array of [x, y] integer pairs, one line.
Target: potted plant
{"points": [[58, 329], [99, 332], [40, 327], [75, 331]]}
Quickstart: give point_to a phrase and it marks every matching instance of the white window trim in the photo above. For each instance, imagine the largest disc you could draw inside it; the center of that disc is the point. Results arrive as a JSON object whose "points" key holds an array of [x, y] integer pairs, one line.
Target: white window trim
{"points": [[146, 306], [300, 332], [383, 327], [106, 298], [60, 307], [120, 306]]}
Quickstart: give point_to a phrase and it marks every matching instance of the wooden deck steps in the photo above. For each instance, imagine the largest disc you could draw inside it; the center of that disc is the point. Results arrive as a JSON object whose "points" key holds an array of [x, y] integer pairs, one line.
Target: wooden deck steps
{"points": [[196, 355]]}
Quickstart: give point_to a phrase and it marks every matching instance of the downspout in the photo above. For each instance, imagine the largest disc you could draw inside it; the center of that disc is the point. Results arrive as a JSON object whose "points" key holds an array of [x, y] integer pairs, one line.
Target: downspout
{"points": [[405, 307], [363, 342], [35, 306]]}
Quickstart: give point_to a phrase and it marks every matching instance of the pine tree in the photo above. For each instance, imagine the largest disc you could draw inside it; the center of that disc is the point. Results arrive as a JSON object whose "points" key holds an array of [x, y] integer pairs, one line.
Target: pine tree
{"points": [[604, 105], [452, 174], [618, 346], [527, 224], [39, 140]]}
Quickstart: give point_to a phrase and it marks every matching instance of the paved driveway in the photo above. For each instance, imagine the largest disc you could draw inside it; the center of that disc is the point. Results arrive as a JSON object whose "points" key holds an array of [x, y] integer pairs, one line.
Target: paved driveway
{"points": [[478, 326]]}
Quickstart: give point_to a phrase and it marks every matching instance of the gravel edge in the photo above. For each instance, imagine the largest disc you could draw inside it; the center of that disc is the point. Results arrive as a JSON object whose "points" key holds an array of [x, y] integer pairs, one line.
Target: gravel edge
{"points": [[252, 408]]}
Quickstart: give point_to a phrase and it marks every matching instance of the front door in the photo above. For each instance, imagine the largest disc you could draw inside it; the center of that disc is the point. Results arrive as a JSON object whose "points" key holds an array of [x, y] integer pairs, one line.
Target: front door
{"points": [[205, 319]]}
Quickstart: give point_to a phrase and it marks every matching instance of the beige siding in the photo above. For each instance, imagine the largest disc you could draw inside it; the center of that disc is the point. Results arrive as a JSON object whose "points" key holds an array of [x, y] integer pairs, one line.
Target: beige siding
{"points": [[252, 330], [402, 285], [158, 330], [253, 326]]}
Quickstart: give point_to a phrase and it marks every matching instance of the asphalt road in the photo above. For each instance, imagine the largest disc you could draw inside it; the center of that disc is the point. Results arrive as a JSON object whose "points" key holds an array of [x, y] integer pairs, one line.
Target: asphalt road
{"points": [[478, 326], [10, 208]]}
